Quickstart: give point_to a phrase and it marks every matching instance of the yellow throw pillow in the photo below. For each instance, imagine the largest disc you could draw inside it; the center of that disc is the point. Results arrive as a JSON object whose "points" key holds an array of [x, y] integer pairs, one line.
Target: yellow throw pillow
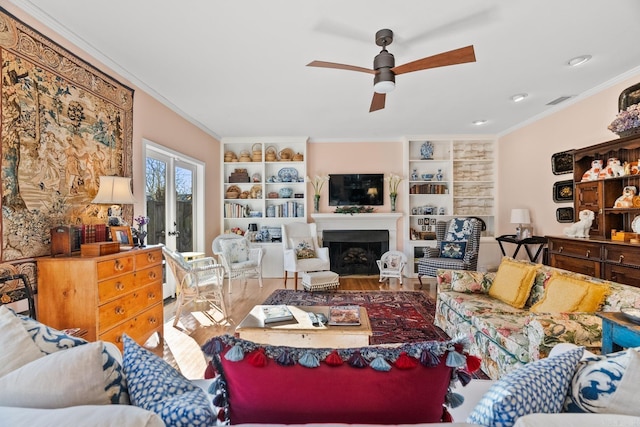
{"points": [[596, 294], [513, 282], [562, 295], [566, 294]]}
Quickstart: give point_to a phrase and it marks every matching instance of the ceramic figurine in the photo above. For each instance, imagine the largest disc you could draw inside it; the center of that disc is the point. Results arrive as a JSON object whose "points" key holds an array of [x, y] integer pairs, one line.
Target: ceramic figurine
{"points": [[414, 175], [626, 200], [426, 151], [581, 228], [593, 173], [613, 169]]}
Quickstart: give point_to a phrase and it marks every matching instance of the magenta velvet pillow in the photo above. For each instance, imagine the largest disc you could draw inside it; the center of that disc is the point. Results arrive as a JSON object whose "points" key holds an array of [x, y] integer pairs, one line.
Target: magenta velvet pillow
{"points": [[281, 385]]}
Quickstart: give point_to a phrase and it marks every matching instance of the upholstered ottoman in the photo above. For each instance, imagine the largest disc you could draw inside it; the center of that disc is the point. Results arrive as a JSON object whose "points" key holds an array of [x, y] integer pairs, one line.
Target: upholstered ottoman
{"points": [[320, 281]]}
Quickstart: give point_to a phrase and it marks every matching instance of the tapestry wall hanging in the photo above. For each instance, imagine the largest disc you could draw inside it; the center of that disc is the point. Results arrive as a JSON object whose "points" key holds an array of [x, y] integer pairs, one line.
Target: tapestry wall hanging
{"points": [[64, 124]]}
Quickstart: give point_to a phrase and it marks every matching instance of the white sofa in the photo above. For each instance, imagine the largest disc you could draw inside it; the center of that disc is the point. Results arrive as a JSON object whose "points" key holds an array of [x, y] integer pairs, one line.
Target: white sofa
{"points": [[58, 379]]}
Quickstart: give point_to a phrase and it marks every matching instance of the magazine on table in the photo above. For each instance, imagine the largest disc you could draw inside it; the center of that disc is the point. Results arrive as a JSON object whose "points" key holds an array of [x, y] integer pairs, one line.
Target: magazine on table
{"points": [[276, 313], [341, 315]]}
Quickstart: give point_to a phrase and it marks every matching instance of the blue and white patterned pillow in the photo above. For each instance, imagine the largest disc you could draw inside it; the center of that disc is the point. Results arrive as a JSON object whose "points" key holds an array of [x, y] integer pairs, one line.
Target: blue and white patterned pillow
{"points": [[235, 250], [156, 386], [459, 229], [595, 382], [540, 386], [49, 340], [454, 250]]}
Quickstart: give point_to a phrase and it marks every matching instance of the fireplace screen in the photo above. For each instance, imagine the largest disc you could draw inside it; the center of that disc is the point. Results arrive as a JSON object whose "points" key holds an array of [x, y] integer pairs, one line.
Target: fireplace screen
{"points": [[355, 251]]}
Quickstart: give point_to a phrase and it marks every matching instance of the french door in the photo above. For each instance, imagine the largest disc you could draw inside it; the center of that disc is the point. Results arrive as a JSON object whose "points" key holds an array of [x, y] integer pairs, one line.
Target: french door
{"points": [[173, 199]]}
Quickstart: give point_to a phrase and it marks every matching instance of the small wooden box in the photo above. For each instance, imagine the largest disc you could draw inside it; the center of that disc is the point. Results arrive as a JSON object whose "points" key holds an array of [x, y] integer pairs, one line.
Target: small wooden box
{"points": [[622, 236], [100, 248]]}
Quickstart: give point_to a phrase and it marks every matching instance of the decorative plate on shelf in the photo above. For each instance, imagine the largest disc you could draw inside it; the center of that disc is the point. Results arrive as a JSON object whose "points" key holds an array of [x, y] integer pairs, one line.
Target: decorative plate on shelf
{"points": [[632, 313], [288, 174], [635, 224]]}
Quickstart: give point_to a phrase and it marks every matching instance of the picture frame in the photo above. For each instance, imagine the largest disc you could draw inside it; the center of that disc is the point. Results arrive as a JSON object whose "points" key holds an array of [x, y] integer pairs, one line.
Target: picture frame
{"points": [[122, 235], [562, 162], [563, 191]]}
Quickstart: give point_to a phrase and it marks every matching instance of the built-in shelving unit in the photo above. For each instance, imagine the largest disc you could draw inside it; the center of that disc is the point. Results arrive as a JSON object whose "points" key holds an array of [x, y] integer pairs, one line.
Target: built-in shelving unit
{"points": [[269, 174], [462, 184]]}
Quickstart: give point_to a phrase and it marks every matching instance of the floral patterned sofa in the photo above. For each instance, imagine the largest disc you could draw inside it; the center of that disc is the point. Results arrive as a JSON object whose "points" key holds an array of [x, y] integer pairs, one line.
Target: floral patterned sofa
{"points": [[505, 336]]}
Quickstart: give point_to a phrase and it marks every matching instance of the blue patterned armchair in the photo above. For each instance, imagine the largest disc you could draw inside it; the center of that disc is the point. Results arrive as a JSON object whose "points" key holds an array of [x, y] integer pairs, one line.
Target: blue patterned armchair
{"points": [[457, 248]]}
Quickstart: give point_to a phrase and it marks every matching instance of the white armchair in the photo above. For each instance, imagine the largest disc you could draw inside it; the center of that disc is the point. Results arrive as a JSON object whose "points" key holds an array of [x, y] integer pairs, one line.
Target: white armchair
{"points": [[391, 264], [238, 257], [197, 280], [301, 250]]}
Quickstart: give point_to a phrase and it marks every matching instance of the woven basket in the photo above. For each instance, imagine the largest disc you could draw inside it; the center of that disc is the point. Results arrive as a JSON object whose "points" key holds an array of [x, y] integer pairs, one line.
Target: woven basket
{"points": [[232, 192]]}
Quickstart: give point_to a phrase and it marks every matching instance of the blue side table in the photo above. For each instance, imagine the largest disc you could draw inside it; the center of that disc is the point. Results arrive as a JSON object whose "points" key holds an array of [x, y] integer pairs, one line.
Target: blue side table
{"points": [[618, 332]]}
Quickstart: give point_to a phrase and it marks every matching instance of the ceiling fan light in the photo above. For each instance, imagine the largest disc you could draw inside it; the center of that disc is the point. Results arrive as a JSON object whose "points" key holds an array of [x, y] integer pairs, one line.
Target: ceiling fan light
{"points": [[384, 87]]}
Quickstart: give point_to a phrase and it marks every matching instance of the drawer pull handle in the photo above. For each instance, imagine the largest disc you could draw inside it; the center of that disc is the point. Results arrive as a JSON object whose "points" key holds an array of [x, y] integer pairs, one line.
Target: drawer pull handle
{"points": [[118, 266], [119, 286], [152, 275], [119, 310], [151, 295], [151, 257], [560, 249], [153, 320], [588, 253], [621, 259], [119, 339]]}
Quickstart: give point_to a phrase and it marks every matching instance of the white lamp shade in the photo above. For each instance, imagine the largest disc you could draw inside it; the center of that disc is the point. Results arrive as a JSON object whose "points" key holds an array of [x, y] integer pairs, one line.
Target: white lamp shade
{"points": [[520, 216], [114, 190]]}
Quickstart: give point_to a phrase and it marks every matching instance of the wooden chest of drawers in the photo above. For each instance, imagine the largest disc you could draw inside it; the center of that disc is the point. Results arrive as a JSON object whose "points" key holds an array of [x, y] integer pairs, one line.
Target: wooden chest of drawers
{"points": [[606, 259], [106, 295]]}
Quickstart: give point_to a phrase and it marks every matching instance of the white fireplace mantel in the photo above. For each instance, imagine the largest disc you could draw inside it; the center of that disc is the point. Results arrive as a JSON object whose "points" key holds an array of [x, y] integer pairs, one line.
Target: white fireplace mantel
{"points": [[363, 221]]}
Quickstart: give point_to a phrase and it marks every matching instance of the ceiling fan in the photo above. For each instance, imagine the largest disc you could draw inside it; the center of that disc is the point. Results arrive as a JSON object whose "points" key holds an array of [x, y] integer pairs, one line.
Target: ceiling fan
{"points": [[385, 70]]}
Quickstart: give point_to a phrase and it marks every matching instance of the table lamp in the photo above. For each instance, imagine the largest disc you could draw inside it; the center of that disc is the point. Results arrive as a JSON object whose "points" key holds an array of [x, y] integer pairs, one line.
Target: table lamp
{"points": [[520, 216], [114, 191]]}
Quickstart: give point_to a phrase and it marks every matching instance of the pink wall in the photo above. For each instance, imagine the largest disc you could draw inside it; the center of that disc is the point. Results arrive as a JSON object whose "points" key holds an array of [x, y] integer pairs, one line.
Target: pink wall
{"points": [[325, 158], [525, 179], [155, 122]]}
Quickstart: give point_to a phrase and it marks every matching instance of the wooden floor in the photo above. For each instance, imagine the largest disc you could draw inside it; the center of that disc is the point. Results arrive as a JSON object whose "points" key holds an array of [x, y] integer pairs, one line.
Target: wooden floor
{"points": [[181, 346]]}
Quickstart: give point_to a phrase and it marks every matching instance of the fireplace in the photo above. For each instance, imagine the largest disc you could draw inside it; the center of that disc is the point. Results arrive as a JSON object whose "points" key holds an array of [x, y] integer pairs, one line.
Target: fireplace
{"points": [[355, 251]]}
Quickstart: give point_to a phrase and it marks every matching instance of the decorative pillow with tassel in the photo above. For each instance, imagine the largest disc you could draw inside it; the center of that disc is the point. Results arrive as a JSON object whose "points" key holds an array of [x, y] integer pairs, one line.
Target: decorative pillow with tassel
{"points": [[407, 384]]}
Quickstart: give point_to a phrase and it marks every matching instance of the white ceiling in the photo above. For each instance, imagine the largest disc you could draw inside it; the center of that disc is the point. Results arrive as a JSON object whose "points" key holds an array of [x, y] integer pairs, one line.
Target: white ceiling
{"points": [[237, 68]]}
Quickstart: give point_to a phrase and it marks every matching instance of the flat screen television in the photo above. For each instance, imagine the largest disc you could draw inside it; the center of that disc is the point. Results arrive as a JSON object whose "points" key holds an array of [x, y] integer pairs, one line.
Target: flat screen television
{"points": [[358, 189]]}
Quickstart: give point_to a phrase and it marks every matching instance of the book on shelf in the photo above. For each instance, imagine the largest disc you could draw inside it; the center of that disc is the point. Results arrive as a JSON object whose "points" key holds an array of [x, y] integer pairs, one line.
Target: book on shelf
{"points": [[276, 313], [341, 315]]}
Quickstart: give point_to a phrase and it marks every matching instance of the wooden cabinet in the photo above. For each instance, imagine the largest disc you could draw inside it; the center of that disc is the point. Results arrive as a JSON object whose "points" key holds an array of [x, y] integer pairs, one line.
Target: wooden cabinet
{"points": [[106, 295], [600, 195], [606, 259]]}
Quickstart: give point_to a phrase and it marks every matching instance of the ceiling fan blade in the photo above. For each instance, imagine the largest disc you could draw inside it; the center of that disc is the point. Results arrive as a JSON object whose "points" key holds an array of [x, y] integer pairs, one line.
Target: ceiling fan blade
{"points": [[339, 66], [452, 57], [377, 103]]}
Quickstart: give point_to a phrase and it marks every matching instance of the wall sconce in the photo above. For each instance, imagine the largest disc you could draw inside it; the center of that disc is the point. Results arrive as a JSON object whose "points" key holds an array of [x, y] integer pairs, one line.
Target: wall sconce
{"points": [[521, 216], [114, 191]]}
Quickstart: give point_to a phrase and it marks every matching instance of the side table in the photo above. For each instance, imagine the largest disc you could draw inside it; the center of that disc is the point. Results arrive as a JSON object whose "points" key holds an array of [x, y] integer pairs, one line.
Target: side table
{"points": [[541, 241], [618, 332]]}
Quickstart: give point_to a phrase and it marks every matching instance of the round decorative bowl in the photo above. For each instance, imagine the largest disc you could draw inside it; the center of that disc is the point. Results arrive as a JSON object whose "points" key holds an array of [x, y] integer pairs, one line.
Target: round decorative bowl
{"points": [[285, 192], [427, 176]]}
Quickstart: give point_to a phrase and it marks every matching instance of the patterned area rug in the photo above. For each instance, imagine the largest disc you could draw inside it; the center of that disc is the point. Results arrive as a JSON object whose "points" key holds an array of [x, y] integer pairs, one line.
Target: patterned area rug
{"points": [[395, 316]]}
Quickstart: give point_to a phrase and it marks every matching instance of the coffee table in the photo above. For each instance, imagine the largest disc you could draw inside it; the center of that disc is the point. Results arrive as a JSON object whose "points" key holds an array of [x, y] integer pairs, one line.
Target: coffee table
{"points": [[301, 333]]}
